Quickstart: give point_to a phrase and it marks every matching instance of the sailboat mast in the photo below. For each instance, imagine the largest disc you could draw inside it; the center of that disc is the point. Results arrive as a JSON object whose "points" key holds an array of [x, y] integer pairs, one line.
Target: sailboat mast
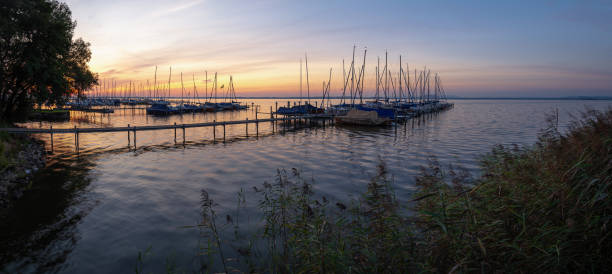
{"points": [[169, 77], [400, 78], [182, 88], [326, 88], [428, 81], [215, 86], [300, 81], [343, 77], [386, 78], [194, 88], [377, 78], [353, 77], [362, 76], [307, 80]]}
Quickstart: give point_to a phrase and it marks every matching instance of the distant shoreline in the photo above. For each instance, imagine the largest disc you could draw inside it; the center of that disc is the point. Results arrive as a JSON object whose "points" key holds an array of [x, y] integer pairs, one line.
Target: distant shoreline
{"points": [[450, 98]]}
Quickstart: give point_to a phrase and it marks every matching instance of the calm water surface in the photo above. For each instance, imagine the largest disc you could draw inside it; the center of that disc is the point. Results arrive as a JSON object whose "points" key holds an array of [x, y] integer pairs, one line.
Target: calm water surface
{"points": [[94, 211]]}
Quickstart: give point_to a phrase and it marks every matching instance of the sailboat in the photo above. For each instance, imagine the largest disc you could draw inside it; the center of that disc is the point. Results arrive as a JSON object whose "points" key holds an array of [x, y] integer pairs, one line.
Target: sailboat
{"points": [[208, 105], [162, 107], [301, 109]]}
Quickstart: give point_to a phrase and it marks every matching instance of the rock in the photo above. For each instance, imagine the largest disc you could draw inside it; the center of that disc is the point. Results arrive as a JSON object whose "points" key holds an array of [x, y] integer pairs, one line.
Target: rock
{"points": [[15, 179]]}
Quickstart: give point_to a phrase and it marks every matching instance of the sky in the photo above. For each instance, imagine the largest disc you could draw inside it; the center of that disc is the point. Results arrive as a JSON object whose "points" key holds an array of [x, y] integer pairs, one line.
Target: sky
{"points": [[478, 48]]}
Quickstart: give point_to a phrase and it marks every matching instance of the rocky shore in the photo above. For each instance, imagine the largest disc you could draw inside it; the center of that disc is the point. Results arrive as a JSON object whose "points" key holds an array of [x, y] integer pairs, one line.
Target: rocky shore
{"points": [[16, 177]]}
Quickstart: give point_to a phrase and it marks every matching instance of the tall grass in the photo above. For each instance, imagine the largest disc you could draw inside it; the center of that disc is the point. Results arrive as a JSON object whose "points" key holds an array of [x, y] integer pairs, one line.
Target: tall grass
{"points": [[542, 208], [304, 233]]}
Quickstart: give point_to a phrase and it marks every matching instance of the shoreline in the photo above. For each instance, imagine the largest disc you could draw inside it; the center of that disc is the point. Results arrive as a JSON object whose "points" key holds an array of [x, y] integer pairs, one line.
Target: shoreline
{"points": [[22, 158]]}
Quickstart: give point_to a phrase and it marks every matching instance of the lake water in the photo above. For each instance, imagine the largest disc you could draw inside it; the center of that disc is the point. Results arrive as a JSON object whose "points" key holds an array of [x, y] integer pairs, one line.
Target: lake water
{"points": [[92, 212]]}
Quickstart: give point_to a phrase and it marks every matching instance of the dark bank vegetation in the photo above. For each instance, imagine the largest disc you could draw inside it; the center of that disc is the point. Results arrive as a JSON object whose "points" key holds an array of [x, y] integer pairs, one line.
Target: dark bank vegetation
{"points": [[40, 65], [40, 62], [542, 208], [20, 158]]}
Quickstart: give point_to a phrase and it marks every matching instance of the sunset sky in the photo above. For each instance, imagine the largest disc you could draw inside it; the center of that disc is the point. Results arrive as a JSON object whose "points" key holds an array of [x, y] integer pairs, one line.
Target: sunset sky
{"points": [[479, 48]]}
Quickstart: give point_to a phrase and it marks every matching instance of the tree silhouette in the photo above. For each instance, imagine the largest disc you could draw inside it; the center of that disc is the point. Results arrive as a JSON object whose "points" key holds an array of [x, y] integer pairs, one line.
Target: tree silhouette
{"points": [[40, 63]]}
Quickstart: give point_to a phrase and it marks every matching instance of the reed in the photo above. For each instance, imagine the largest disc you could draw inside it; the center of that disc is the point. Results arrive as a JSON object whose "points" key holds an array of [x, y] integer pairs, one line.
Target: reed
{"points": [[540, 208], [544, 207], [302, 232]]}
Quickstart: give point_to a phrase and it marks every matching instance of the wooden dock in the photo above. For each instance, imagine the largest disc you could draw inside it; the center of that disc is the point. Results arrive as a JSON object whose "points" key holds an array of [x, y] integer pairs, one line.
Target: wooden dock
{"points": [[76, 131]]}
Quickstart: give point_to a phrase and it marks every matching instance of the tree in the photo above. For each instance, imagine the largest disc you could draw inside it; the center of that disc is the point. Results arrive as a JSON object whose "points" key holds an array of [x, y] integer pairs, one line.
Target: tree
{"points": [[40, 63]]}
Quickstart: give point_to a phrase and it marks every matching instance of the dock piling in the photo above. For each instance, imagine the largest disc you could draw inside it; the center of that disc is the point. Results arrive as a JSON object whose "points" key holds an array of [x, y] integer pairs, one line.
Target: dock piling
{"points": [[128, 135], [51, 129], [214, 131], [134, 137], [247, 127], [175, 132], [183, 134], [76, 139]]}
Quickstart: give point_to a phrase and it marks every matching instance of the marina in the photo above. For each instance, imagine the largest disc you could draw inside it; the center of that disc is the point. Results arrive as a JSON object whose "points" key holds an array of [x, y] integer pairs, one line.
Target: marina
{"points": [[192, 136], [108, 177], [302, 119]]}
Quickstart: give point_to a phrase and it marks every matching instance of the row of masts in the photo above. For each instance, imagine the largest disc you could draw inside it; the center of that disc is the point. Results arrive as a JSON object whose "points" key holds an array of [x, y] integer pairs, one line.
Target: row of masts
{"points": [[390, 86], [109, 89]]}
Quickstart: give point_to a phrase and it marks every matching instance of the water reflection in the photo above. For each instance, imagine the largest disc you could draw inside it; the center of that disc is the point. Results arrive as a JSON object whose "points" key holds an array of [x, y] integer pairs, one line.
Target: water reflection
{"points": [[41, 230], [93, 212]]}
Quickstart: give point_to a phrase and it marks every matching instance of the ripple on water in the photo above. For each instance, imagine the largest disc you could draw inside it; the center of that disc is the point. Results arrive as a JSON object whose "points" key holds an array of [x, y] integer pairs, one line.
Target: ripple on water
{"points": [[132, 200]]}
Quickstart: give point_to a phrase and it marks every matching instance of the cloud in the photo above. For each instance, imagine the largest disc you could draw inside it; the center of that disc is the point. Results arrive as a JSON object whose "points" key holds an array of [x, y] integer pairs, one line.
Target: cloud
{"points": [[180, 7]]}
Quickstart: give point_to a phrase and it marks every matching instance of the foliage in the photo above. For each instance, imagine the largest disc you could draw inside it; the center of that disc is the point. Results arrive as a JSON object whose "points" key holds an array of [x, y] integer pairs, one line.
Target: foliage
{"points": [[9, 148], [40, 63], [544, 208]]}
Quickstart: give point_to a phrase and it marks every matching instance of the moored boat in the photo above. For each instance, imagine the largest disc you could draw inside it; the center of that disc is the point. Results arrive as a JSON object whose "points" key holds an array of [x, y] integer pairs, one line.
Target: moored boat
{"points": [[362, 118]]}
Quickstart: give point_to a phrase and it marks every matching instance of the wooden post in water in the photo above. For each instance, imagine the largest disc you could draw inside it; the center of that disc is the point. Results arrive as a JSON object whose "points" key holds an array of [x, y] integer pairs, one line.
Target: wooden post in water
{"points": [[271, 115], [214, 130], [128, 132], [76, 139], [256, 125], [183, 134], [51, 130], [276, 109], [247, 127], [224, 132], [134, 137], [175, 132]]}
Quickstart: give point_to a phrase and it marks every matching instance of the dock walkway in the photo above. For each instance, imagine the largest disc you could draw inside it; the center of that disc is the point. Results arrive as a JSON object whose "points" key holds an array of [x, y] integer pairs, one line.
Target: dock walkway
{"points": [[76, 131]]}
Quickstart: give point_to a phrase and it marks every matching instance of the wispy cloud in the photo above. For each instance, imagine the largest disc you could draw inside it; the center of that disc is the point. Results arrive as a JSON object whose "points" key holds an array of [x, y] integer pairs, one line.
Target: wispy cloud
{"points": [[180, 7]]}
